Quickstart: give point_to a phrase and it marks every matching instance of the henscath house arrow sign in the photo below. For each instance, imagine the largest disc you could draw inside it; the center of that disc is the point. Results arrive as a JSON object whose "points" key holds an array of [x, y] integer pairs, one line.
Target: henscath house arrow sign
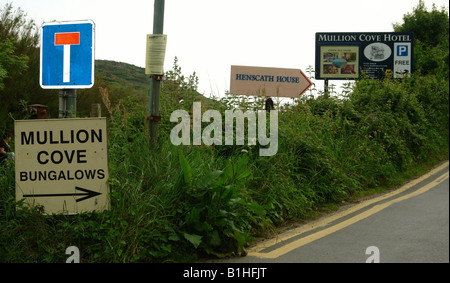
{"points": [[269, 82], [62, 164]]}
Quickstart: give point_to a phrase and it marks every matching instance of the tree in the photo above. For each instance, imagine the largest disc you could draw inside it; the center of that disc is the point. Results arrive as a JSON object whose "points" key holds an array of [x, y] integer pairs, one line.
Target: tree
{"points": [[19, 66], [429, 27], [9, 61], [431, 33], [11, 37]]}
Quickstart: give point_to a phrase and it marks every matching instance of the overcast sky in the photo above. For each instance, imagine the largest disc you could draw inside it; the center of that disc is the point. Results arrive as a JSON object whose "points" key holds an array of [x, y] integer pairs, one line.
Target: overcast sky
{"points": [[208, 36]]}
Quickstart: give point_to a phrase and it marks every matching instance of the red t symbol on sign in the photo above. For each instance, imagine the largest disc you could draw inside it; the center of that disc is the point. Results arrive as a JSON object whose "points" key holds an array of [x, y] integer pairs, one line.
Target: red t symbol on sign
{"points": [[67, 39]]}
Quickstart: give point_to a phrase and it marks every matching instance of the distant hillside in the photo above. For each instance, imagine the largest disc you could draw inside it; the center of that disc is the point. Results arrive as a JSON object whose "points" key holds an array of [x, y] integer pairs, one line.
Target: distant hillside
{"points": [[121, 74]]}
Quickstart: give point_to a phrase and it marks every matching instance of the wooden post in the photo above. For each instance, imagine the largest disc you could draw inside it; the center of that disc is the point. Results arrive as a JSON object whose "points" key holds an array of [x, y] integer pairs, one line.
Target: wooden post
{"points": [[96, 110]]}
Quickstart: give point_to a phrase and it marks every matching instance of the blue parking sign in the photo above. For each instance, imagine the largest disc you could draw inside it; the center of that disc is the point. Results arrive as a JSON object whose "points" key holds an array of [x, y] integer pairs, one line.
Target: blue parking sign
{"points": [[402, 50], [67, 55]]}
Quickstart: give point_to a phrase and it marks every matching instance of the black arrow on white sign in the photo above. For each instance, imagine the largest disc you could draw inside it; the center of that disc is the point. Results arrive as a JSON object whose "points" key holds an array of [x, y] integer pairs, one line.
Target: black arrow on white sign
{"points": [[86, 193]]}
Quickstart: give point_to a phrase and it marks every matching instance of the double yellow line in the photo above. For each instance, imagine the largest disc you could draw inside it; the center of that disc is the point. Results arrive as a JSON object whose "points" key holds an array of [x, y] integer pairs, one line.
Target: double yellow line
{"points": [[258, 250]]}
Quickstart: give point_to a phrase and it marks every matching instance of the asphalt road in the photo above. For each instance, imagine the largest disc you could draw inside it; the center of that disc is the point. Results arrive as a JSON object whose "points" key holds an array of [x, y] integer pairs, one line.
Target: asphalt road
{"points": [[408, 224]]}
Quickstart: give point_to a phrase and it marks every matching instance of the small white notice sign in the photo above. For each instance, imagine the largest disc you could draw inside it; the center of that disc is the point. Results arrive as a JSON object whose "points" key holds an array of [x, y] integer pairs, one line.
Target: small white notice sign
{"points": [[156, 53]]}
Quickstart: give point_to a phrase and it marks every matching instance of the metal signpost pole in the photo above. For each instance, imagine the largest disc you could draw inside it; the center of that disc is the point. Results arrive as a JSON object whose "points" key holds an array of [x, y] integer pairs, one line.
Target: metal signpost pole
{"points": [[67, 103], [62, 104], [155, 84], [71, 105]]}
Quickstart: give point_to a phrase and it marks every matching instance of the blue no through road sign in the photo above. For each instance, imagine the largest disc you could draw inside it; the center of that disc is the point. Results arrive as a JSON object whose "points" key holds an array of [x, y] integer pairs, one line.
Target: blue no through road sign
{"points": [[67, 55]]}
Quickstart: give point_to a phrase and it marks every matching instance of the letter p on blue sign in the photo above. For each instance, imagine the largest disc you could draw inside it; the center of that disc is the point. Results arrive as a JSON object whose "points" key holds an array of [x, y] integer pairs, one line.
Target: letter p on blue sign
{"points": [[402, 50], [67, 55]]}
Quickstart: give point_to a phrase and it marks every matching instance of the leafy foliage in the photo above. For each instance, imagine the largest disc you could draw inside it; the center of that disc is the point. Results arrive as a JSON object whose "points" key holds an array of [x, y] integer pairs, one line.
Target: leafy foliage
{"points": [[216, 211], [19, 59], [9, 61], [431, 33]]}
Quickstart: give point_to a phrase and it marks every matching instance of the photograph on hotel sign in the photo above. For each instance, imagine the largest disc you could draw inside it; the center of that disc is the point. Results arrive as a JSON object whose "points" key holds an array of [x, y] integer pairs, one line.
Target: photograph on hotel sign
{"points": [[339, 62]]}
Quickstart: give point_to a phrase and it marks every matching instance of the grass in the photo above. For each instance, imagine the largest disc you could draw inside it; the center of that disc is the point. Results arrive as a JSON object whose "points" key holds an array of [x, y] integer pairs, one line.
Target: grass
{"points": [[177, 204]]}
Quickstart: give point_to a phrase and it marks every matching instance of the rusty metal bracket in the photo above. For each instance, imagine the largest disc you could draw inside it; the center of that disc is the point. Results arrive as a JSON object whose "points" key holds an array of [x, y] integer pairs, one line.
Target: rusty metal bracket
{"points": [[159, 77], [154, 118]]}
